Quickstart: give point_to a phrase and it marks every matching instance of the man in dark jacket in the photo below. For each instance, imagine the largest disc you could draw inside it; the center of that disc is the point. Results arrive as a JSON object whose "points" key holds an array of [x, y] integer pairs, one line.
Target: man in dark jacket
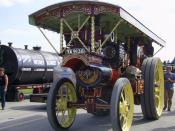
{"points": [[169, 88], [3, 86]]}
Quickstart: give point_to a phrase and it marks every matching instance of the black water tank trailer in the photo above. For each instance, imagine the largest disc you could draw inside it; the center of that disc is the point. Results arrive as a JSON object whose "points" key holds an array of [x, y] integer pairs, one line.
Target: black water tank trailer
{"points": [[24, 66]]}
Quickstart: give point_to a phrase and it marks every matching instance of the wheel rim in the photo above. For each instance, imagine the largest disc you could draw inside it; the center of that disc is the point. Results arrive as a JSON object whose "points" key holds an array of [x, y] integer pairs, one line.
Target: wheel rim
{"points": [[159, 88], [126, 108], [65, 116], [21, 96]]}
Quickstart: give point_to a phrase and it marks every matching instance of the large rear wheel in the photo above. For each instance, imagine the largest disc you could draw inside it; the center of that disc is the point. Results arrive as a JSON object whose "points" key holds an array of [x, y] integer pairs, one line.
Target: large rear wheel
{"points": [[59, 114], [152, 101], [122, 105]]}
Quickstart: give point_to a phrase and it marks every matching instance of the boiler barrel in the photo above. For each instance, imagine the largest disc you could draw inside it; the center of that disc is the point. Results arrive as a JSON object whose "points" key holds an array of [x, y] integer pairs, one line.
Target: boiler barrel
{"points": [[25, 66]]}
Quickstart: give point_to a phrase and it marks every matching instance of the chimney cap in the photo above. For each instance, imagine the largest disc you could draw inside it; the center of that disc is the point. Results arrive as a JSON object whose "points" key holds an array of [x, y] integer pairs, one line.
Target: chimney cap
{"points": [[10, 44], [26, 47], [37, 48]]}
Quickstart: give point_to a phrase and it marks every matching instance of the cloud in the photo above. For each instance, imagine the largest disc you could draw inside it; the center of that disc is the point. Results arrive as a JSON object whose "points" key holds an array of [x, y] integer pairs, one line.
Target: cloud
{"points": [[9, 3]]}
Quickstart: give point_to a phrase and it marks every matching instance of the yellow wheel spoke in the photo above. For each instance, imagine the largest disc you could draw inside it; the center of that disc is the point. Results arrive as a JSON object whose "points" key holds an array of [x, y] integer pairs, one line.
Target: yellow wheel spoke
{"points": [[157, 89], [124, 124], [122, 97], [122, 108], [122, 118], [157, 97], [157, 84], [62, 118]]}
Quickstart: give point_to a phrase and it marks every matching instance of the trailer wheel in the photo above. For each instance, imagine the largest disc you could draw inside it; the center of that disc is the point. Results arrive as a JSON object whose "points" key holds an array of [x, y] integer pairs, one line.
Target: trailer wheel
{"points": [[59, 114], [152, 101], [122, 105], [20, 96]]}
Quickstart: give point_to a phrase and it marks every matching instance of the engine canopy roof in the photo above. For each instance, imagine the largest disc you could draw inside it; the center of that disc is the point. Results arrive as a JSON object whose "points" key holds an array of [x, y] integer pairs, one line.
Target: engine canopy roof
{"points": [[49, 18]]}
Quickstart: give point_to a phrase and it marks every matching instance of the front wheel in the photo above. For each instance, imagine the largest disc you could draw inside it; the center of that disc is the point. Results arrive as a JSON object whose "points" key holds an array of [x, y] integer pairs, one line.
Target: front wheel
{"points": [[60, 116], [122, 105]]}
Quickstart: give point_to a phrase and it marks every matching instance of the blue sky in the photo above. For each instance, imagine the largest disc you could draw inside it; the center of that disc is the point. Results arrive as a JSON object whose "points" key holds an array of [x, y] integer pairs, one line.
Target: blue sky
{"points": [[157, 15]]}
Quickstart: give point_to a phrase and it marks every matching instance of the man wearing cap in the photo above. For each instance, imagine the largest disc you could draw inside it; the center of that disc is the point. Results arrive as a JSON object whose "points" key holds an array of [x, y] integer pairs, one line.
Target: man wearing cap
{"points": [[169, 88], [3, 86]]}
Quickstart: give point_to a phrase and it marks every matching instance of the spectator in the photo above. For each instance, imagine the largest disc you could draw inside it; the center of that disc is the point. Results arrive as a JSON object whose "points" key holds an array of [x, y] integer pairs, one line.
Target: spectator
{"points": [[3, 86], [169, 90]]}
